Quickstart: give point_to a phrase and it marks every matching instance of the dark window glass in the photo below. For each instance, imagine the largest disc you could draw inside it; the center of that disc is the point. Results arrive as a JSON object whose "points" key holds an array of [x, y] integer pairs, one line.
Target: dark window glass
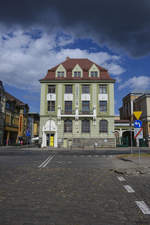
{"points": [[68, 126], [103, 126], [51, 88], [85, 106], [94, 74], [103, 89], [68, 106], [68, 89], [103, 106], [85, 89], [86, 126], [77, 74], [7, 105], [51, 106], [60, 74]]}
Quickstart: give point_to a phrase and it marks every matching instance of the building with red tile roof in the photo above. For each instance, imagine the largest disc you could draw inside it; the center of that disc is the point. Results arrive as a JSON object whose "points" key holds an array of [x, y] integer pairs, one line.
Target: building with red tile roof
{"points": [[77, 105]]}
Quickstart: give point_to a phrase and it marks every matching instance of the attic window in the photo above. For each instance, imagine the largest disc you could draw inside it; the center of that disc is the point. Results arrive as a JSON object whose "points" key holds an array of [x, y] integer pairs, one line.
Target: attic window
{"points": [[77, 74], [94, 74], [60, 74]]}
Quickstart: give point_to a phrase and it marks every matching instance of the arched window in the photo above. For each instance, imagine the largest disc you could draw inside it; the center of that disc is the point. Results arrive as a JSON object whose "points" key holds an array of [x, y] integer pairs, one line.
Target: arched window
{"points": [[103, 126], [68, 126]]}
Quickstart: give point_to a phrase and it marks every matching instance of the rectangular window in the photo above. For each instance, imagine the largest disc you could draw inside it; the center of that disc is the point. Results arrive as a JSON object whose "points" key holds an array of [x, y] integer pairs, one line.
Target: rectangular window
{"points": [[85, 89], [51, 106], [68, 89], [77, 74], [68, 106], [60, 74], [103, 89], [68, 126], [94, 74], [103, 126], [51, 88], [85, 106], [103, 106], [86, 126]]}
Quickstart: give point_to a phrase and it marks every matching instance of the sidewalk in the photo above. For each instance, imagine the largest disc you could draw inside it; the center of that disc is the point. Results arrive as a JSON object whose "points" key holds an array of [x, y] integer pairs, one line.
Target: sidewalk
{"points": [[85, 151]]}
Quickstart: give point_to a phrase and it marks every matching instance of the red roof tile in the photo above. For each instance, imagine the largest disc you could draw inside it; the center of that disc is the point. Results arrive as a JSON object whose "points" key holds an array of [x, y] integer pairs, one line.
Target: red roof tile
{"points": [[84, 63]]}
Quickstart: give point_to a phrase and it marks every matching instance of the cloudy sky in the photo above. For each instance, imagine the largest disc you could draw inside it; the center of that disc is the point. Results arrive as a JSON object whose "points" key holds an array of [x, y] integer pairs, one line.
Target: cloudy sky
{"points": [[36, 35]]}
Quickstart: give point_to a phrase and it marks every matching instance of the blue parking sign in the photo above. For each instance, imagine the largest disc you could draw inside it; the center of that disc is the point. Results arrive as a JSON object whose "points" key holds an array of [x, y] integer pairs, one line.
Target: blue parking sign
{"points": [[137, 123]]}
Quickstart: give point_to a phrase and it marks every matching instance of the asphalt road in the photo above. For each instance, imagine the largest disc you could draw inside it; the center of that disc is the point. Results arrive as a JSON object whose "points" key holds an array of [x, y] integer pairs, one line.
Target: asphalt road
{"points": [[43, 188]]}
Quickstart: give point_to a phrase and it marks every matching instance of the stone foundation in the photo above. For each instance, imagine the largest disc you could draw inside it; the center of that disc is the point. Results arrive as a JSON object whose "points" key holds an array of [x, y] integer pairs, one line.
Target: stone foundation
{"points": [[89, 143]]}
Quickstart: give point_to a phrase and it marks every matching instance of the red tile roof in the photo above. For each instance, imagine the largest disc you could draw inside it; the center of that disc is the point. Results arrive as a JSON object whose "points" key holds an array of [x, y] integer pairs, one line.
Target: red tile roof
{"points": [[84, 63]]}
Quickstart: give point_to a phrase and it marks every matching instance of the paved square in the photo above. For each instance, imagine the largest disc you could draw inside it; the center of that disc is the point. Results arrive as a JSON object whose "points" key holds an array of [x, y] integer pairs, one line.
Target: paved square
{"points": [[69, 190]]}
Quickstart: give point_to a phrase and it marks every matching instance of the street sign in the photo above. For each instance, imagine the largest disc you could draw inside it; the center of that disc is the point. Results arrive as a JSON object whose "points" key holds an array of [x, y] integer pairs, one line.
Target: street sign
{"points": [[137, 114], [138, 133], [137, 123], [28, 134]]}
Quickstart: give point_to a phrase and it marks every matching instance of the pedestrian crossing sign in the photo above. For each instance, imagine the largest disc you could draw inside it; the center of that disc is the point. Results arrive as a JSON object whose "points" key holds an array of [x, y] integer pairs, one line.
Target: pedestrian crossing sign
{"points": [[137, 114]]}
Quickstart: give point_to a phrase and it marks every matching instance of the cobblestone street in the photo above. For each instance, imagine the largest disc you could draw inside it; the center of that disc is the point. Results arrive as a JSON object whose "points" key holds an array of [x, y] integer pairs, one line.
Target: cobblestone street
{"points": [[71, 190]]}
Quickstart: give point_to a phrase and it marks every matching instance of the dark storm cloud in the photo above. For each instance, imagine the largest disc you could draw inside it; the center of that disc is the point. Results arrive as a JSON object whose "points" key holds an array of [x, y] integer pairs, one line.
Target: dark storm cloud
{"points": [[122, 24]]}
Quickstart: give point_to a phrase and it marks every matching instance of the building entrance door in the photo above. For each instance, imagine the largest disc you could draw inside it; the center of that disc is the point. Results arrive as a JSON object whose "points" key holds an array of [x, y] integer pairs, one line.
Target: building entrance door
{"points": [[50, 140], [47, 139]]}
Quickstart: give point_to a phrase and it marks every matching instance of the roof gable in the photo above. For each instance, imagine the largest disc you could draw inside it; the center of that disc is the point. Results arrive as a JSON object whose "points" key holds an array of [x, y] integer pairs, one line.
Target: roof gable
{"points": [[84, 63]]}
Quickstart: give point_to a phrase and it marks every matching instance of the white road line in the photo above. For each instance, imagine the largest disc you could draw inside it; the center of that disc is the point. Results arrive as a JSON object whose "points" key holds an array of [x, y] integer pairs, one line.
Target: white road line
{"points": [[128, 188], [121, 178], [45, 163], [144, 208]]}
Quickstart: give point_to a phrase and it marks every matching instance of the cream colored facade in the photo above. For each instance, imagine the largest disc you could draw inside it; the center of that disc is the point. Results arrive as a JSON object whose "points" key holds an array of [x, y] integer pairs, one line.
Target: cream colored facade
{"points": [[52, 124]]}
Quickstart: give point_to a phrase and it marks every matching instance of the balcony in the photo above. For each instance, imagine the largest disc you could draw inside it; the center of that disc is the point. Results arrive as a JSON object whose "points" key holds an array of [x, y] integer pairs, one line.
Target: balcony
{"points": [[84, 113], [67, 113], [76, 113]]}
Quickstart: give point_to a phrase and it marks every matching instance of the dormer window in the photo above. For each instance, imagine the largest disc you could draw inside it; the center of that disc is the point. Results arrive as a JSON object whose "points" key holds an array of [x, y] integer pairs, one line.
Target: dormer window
{"points": [[94, 71], [60, 74], [77, 73], [94, 74]]}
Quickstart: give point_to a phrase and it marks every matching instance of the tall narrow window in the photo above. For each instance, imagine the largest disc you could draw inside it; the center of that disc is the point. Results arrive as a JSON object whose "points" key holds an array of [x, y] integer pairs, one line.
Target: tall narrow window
{"points": [[85, 106], [103, 89], [85, 89], [68, 126], [51, 106], [86, 126], [103, 126], [51, 89], [68, 89], [68, 106], [103, 106]]}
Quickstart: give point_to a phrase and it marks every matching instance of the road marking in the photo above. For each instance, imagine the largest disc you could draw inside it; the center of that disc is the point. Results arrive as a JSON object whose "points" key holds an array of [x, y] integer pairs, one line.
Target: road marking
{"points": [[128, 188], [45, 163], [144, 208], [121, 179]]}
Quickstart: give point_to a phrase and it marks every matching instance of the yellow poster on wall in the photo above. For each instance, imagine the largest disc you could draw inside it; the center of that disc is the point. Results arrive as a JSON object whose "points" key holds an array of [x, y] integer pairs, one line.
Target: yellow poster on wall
{"points": [[52, 140]]}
